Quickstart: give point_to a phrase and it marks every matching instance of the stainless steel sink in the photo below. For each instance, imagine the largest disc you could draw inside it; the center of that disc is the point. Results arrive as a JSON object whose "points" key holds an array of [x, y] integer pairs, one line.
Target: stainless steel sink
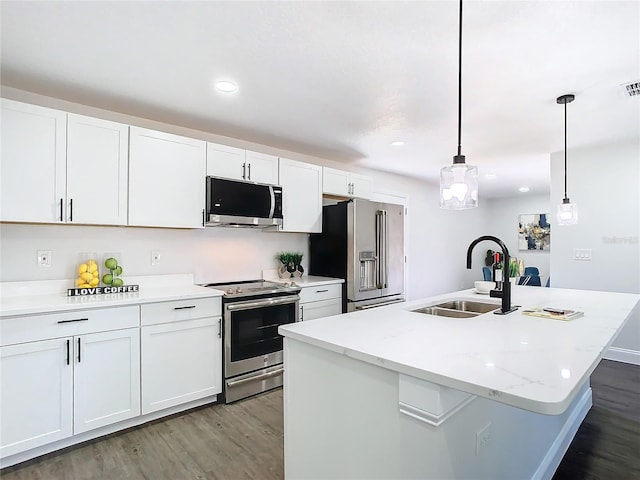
{"points": [[446, 312], [458, 309], [468, 306]]}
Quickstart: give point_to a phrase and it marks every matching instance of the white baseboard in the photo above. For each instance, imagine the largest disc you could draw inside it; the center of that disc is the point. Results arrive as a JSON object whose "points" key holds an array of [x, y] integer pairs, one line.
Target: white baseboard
{"points": [[623, 355]]}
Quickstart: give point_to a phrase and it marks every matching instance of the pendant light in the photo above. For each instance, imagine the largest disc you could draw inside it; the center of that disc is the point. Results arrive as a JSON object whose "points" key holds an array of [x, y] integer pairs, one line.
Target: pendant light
{"points": [[567, 211], [459, 182]]}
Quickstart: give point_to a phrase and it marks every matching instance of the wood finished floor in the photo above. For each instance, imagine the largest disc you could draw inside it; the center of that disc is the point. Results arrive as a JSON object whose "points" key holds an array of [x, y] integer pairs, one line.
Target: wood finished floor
{"points": [[245, 441]]}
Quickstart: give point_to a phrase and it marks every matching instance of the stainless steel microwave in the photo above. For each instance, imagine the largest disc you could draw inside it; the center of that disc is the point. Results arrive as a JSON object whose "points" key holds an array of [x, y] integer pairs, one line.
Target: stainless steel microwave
{"points": [[242, 204]]}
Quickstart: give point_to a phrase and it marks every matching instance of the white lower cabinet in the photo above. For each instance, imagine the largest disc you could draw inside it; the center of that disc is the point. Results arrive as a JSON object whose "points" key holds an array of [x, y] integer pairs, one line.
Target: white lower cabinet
{"points": [[36, 405], [320, 301], [106, 378], [181, 352], [53, 388]]}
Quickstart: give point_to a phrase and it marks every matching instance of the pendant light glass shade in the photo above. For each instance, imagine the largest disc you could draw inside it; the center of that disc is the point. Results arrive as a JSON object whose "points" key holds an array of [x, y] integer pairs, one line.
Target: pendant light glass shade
{"points": [[459, 182], [567, 211], [458, 186]]}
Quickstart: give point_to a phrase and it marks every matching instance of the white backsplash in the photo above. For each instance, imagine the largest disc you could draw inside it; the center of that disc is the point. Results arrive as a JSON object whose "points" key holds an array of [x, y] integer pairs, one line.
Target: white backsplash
{"points": [[211, 254]]}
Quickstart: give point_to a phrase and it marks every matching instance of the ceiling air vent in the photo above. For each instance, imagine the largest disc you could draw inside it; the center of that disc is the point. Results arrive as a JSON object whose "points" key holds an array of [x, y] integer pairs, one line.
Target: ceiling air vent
{"points": [[632, 89]]}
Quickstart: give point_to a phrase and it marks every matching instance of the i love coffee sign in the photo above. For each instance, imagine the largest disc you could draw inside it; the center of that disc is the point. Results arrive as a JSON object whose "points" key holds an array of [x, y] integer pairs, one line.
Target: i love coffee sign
{"points": [[77, 292]]}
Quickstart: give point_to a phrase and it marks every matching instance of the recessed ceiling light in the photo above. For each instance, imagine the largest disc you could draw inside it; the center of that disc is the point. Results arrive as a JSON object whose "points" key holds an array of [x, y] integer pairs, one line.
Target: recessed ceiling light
{"points": [[524, 189], [397, 143], [226, 86]]}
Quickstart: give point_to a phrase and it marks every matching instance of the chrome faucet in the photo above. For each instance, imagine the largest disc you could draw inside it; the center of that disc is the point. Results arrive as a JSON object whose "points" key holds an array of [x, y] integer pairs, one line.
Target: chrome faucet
{"points": [[505, 293]]}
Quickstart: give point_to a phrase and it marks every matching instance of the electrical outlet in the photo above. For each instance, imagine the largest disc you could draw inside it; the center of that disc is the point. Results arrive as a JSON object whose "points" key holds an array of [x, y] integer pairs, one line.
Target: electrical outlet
{"points": [[482, 438], [155, 258], [44, 258]]}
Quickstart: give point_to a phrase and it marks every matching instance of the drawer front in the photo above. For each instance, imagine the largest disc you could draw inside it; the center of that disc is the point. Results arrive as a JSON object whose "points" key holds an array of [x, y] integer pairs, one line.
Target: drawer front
{"points": [[29, 328], [178, 310], [323, 292], [323, 308]]}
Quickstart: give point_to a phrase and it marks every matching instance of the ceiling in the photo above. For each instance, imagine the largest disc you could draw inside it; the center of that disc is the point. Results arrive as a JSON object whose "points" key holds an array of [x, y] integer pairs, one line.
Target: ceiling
{"points": [[342, 80]]}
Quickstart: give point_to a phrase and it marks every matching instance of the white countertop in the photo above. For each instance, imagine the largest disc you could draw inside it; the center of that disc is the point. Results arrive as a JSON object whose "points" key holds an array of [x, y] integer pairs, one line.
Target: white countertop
{"points": [[304, 281], [26, 298], [531, 363]]}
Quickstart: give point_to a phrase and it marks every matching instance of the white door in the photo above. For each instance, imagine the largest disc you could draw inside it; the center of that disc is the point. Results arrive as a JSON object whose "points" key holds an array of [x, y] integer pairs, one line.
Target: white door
{"points": [[226, 162], [322, 308], [106, 378], [36, 380], [97, 161], [262, 168], [335, 182], [301, 196], [181, 362], [166, 180], [32, 164]]}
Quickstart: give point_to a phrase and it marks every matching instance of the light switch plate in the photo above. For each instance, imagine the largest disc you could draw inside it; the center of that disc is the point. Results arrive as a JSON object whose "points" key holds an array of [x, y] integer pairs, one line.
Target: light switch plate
{"points": [[155, 258], [582, 254]]}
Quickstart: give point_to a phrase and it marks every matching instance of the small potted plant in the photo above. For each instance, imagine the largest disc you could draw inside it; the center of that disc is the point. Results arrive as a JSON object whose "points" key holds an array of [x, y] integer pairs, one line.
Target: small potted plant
{"points": [[285, 260], [296, 259]]}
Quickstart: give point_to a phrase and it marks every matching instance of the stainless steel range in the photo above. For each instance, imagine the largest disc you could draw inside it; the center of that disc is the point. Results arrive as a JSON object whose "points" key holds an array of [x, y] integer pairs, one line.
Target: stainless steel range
{"points": [[252, 313]]}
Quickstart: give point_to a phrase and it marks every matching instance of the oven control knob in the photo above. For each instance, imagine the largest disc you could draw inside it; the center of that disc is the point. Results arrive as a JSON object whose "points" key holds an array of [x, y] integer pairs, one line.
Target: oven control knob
{"points": [[229, 291], [238, 290]]}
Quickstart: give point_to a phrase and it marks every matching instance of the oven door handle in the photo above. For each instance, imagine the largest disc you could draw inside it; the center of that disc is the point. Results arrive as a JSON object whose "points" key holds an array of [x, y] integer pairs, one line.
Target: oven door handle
{"points": [[262, 303], [263, 376]]}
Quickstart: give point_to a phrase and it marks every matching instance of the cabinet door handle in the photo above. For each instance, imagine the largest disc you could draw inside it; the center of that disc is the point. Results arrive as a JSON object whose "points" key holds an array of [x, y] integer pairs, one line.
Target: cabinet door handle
{"points": [[203, 217], [184, 308], [220, 328], [244, 171], [320, 291], [71, 210], [68, 351], [301, 312], [78, 349], [61, 206], [74, 320], [249, 169]]}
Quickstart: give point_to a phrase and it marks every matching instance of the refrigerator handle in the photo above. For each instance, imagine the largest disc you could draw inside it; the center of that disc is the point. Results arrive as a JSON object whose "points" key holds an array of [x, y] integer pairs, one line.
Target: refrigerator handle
{"points": [[384, 261], [381, 248]]}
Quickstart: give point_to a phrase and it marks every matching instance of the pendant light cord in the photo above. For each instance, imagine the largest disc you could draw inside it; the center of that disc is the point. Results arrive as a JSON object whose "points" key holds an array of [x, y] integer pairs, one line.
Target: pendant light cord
{"points": [[460, 85], [565, 150]]}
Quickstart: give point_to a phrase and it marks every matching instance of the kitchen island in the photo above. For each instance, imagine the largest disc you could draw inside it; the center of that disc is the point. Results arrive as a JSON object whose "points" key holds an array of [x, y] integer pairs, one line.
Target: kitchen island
{"points": [[392, 393]]}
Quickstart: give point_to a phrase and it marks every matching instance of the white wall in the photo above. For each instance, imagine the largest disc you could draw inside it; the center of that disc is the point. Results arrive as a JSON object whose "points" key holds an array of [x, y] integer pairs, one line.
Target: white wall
{"points": [[503, 222], [436, 246], [604, 182]]}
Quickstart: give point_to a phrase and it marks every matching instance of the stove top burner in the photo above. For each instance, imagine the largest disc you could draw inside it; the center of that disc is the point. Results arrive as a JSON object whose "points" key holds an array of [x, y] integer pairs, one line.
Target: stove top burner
{"points": [[254, 288]]}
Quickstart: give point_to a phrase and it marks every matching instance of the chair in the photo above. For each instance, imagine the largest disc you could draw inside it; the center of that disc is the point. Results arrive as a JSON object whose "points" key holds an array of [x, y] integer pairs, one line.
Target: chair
{"points": [[530, 280], [531, 271], [486, 272], [534, 281]]}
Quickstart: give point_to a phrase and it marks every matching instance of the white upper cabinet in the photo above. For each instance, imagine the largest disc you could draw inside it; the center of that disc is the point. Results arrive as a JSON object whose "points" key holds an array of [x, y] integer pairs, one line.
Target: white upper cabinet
{"points": [[226, 162], [32, 168], [166, 179], [238, 164], [262, 168], [76, 166], [346, 184], [361, 186], [301, 196], [97, 160]]}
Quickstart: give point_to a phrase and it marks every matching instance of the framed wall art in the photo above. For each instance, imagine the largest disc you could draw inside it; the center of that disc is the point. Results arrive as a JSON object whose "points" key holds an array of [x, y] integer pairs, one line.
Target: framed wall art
{"points": [[534, 232]]}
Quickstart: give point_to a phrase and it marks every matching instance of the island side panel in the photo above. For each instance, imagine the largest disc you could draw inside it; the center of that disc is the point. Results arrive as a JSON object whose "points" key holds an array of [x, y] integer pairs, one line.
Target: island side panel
{"points": [[342, 420]]}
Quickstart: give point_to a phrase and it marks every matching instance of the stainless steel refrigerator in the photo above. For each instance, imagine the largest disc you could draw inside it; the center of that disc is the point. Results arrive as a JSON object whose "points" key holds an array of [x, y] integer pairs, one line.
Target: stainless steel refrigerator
{"points": [[362, 242]]}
